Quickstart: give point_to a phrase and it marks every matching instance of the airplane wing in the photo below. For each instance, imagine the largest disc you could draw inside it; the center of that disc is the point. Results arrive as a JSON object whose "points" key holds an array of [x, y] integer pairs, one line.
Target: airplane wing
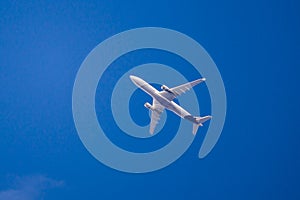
{"points": [[174, 92], [155, 115]]}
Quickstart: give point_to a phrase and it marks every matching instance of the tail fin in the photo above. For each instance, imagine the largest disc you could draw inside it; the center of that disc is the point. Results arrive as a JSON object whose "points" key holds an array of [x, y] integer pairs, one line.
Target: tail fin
{"points": [[200, 121]]}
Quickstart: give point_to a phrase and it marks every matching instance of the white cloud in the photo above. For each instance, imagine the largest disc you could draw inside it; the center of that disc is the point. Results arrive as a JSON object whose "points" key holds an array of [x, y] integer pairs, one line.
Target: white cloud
{"points": [[29, 188]]}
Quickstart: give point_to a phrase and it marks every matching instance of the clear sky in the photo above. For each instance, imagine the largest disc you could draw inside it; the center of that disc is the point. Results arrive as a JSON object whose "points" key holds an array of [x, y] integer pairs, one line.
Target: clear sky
{"points": [[256, 47]]}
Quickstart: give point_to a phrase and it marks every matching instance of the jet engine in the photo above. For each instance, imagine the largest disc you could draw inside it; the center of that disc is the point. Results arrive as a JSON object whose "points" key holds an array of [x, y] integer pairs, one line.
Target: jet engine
{"points": [[165, 88], [148, 105]]}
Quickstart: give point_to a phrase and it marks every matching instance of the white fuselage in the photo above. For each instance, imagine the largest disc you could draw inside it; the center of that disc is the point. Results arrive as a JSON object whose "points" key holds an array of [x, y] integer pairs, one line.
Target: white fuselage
{"points": [[170, 105]]}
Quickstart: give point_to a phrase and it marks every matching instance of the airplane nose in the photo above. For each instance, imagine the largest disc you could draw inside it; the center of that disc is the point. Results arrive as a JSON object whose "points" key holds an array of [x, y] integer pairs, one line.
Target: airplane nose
{"points": [[133, 78], [137, 81]]}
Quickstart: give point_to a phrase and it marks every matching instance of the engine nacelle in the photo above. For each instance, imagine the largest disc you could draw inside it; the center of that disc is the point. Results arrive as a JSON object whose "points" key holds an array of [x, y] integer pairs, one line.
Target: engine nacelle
{"points": [[148, 105], [165, 88]]}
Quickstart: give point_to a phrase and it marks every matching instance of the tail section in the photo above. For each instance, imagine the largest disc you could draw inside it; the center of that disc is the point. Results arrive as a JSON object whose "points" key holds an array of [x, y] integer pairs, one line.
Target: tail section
{"points": [[200, 121], [195, 128]]}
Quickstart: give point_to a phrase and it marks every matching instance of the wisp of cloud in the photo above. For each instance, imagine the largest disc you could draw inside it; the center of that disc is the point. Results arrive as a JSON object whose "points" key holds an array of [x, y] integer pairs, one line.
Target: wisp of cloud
{"points": [[29, 187]]}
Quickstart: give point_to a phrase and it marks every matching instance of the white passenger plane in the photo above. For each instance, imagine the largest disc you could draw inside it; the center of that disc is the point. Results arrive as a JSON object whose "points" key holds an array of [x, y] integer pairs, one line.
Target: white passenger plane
{"points": [[164, 99]]}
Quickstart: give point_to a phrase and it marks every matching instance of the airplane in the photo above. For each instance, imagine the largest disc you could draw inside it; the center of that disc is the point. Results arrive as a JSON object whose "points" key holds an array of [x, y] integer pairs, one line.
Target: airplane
{"points": [[164, 99]]}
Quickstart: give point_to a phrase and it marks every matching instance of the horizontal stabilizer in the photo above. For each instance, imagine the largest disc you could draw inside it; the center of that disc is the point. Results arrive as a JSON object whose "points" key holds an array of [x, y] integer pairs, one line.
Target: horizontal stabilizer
{"points": [[195, 128], [200, 121]]}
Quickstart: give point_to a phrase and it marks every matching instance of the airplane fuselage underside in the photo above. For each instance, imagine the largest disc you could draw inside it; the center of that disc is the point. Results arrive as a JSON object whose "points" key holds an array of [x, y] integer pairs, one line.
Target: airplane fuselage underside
{"points": [[170, 105]]}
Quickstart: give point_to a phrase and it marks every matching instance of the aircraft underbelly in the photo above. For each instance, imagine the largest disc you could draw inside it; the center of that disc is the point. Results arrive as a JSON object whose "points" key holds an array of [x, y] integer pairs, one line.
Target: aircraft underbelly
{"points": [[179, 110], [171, 105]]}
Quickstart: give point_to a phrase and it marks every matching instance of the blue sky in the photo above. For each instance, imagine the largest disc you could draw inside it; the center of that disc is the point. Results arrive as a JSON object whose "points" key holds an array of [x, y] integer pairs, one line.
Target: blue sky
{"points": [[255, 46]]}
